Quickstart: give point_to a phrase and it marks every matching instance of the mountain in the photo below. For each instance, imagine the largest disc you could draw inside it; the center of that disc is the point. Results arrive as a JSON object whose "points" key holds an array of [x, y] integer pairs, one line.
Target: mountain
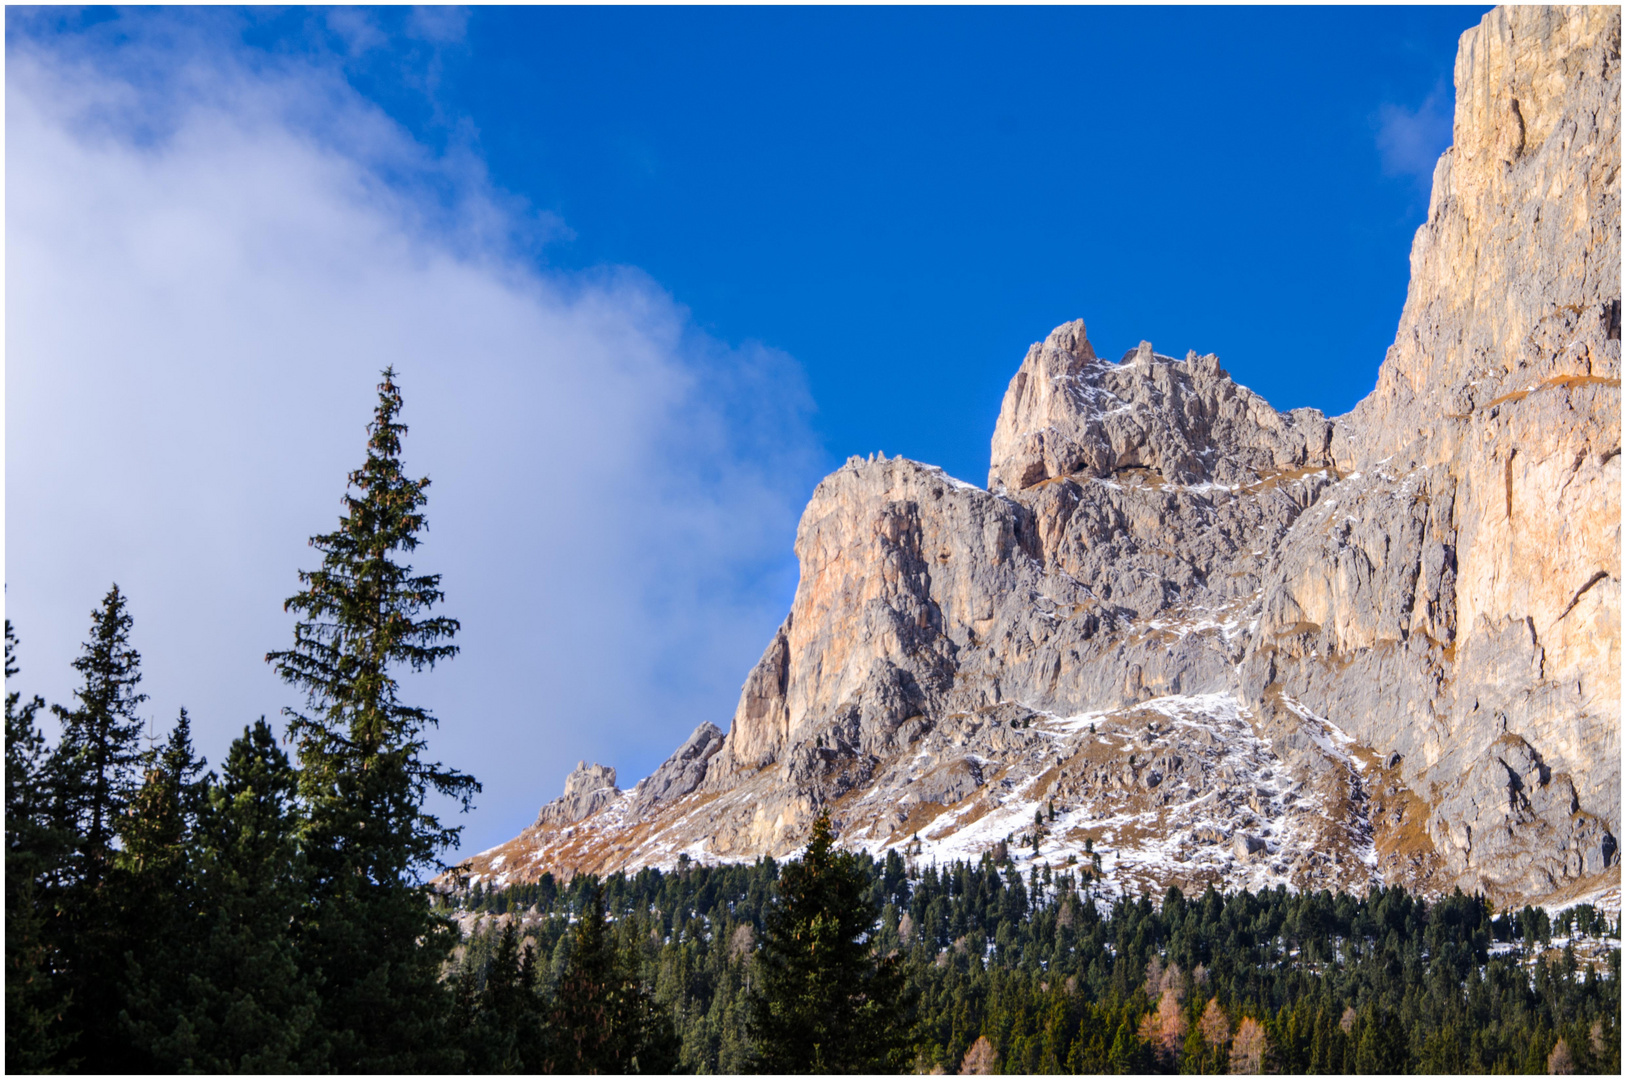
{"points": [[1197, 639]]}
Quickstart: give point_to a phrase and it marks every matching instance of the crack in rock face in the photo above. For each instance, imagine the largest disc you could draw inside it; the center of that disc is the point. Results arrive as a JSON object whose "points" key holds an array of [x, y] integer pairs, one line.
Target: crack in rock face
{"points": [[1184, 638]]}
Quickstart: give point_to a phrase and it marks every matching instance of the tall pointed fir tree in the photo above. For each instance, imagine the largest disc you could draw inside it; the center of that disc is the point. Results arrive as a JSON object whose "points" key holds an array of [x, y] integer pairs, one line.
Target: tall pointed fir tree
{"points": [[34, 1004], [92, 775], [500, 1025], [369, 839], [97, 766], [156, 835], [824, 1001]]}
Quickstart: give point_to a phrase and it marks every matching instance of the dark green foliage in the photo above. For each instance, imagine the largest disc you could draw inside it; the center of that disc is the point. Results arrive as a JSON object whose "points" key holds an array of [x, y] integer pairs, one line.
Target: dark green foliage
{"points": [[1058, 983], [35, 1003], [151, 881], [97, 765], [824, 1001], [237, 1001], [371, 933], [501, 1024], [603, 1020], [595, 1015], [92, 775]]}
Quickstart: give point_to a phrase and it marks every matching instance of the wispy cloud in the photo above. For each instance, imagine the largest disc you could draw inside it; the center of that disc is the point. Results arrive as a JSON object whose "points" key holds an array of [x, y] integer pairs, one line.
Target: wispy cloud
{"points": [[1411, 140], [212, 250]]}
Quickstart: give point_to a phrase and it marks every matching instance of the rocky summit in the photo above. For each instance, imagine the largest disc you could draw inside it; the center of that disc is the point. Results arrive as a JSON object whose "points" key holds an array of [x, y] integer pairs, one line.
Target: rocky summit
{"points": [[1185, 638]]}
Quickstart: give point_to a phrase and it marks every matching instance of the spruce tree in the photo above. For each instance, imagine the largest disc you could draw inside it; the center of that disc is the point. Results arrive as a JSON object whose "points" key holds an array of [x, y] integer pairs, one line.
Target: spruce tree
{"points": [[825, 1002], [92, 776], [156, 831], [603, 1019], [241, 1002], [1126, 1052], [35, 1034], [371, 932], [153, 862], [501, 1023], [97, 765], [153, 880]]}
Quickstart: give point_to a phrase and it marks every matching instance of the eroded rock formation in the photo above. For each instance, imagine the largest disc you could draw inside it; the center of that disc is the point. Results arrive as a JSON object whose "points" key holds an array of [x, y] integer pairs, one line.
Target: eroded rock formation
{"points": [[1215, 641]]}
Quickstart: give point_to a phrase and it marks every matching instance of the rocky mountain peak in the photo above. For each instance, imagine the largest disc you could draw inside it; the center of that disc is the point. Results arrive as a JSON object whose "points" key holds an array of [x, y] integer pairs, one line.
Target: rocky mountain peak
{"points": [[1069, 413], [588, 789]]}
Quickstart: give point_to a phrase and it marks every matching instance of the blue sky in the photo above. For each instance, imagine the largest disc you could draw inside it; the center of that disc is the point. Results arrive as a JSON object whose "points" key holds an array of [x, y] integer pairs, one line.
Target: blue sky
{"points": [[648, 274], [903, 199]]}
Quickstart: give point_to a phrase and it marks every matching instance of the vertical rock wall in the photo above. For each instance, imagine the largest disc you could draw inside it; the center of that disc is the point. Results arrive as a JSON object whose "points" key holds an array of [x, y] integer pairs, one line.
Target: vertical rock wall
{"points": [[1457, 600]]}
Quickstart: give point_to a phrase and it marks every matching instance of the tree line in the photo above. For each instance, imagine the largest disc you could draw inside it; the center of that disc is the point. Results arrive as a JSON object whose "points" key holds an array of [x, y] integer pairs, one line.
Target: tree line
{"points": [[1011, 972]]}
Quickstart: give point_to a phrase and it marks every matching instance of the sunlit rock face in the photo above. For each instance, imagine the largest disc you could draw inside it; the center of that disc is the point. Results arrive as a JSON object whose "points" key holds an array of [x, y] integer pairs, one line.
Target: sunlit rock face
{"points": [[1456, 599], [1206, 641], [1068, 413]]}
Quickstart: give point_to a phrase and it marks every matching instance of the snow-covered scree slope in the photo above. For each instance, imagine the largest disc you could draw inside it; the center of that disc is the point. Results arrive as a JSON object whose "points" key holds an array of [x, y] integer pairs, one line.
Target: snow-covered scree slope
{"points": [[1224, 642], [1174, 790]]}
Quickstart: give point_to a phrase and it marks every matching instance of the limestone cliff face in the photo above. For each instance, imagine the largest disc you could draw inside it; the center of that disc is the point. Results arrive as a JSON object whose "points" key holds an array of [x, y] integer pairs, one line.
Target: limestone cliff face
{"points": [[1457, 600], [1219, 642]]}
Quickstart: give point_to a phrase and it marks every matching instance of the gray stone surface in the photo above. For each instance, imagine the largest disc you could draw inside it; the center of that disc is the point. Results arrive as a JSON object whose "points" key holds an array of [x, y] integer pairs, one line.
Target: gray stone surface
{"points": [[681, 773], [588, 789], [1069, 413], [1463, 586]]}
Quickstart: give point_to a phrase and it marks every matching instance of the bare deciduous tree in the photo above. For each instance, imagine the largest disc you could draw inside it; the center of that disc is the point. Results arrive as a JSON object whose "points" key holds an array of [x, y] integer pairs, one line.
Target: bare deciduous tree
{"points": [[1560, 1062], [1215, 1025], [1248, 1049], [980, 1059]]}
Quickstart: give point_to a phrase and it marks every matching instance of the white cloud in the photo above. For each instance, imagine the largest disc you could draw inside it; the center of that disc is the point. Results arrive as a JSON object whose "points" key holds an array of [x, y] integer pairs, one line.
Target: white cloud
{"points": [[211, 253], [1410, 141]]}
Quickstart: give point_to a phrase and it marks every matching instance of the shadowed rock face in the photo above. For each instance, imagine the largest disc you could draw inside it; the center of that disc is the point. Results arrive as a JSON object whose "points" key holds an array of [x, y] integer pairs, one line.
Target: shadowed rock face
{"points": [[1219, 642]]}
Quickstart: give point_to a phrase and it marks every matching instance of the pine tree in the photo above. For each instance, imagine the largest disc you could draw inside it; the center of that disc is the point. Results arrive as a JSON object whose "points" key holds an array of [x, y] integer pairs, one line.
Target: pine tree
{"points": [[502, 1022], [35, 1034], [92, 775], [152, 882], [1125, 1054], [96, 767], [227, 994], [603, 1019], [156, 830], [371, 931], [825, 1002]]}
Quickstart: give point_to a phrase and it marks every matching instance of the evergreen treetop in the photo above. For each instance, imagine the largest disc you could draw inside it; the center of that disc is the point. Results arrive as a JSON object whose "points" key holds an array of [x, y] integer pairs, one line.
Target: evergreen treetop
{"points": [[227, 994], [97, 765], [360, 625], [826, 1002]]}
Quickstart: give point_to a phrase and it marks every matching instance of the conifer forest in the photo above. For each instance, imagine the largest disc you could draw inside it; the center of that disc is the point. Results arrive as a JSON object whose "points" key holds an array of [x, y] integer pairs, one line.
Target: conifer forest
{"points": [[284, 910]]}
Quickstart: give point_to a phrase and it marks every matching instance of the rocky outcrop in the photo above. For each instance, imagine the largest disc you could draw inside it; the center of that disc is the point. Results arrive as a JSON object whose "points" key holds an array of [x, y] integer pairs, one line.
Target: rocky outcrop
{"points": [[681, 773], [1206, 641], [1068, 413], [588, 789]]}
